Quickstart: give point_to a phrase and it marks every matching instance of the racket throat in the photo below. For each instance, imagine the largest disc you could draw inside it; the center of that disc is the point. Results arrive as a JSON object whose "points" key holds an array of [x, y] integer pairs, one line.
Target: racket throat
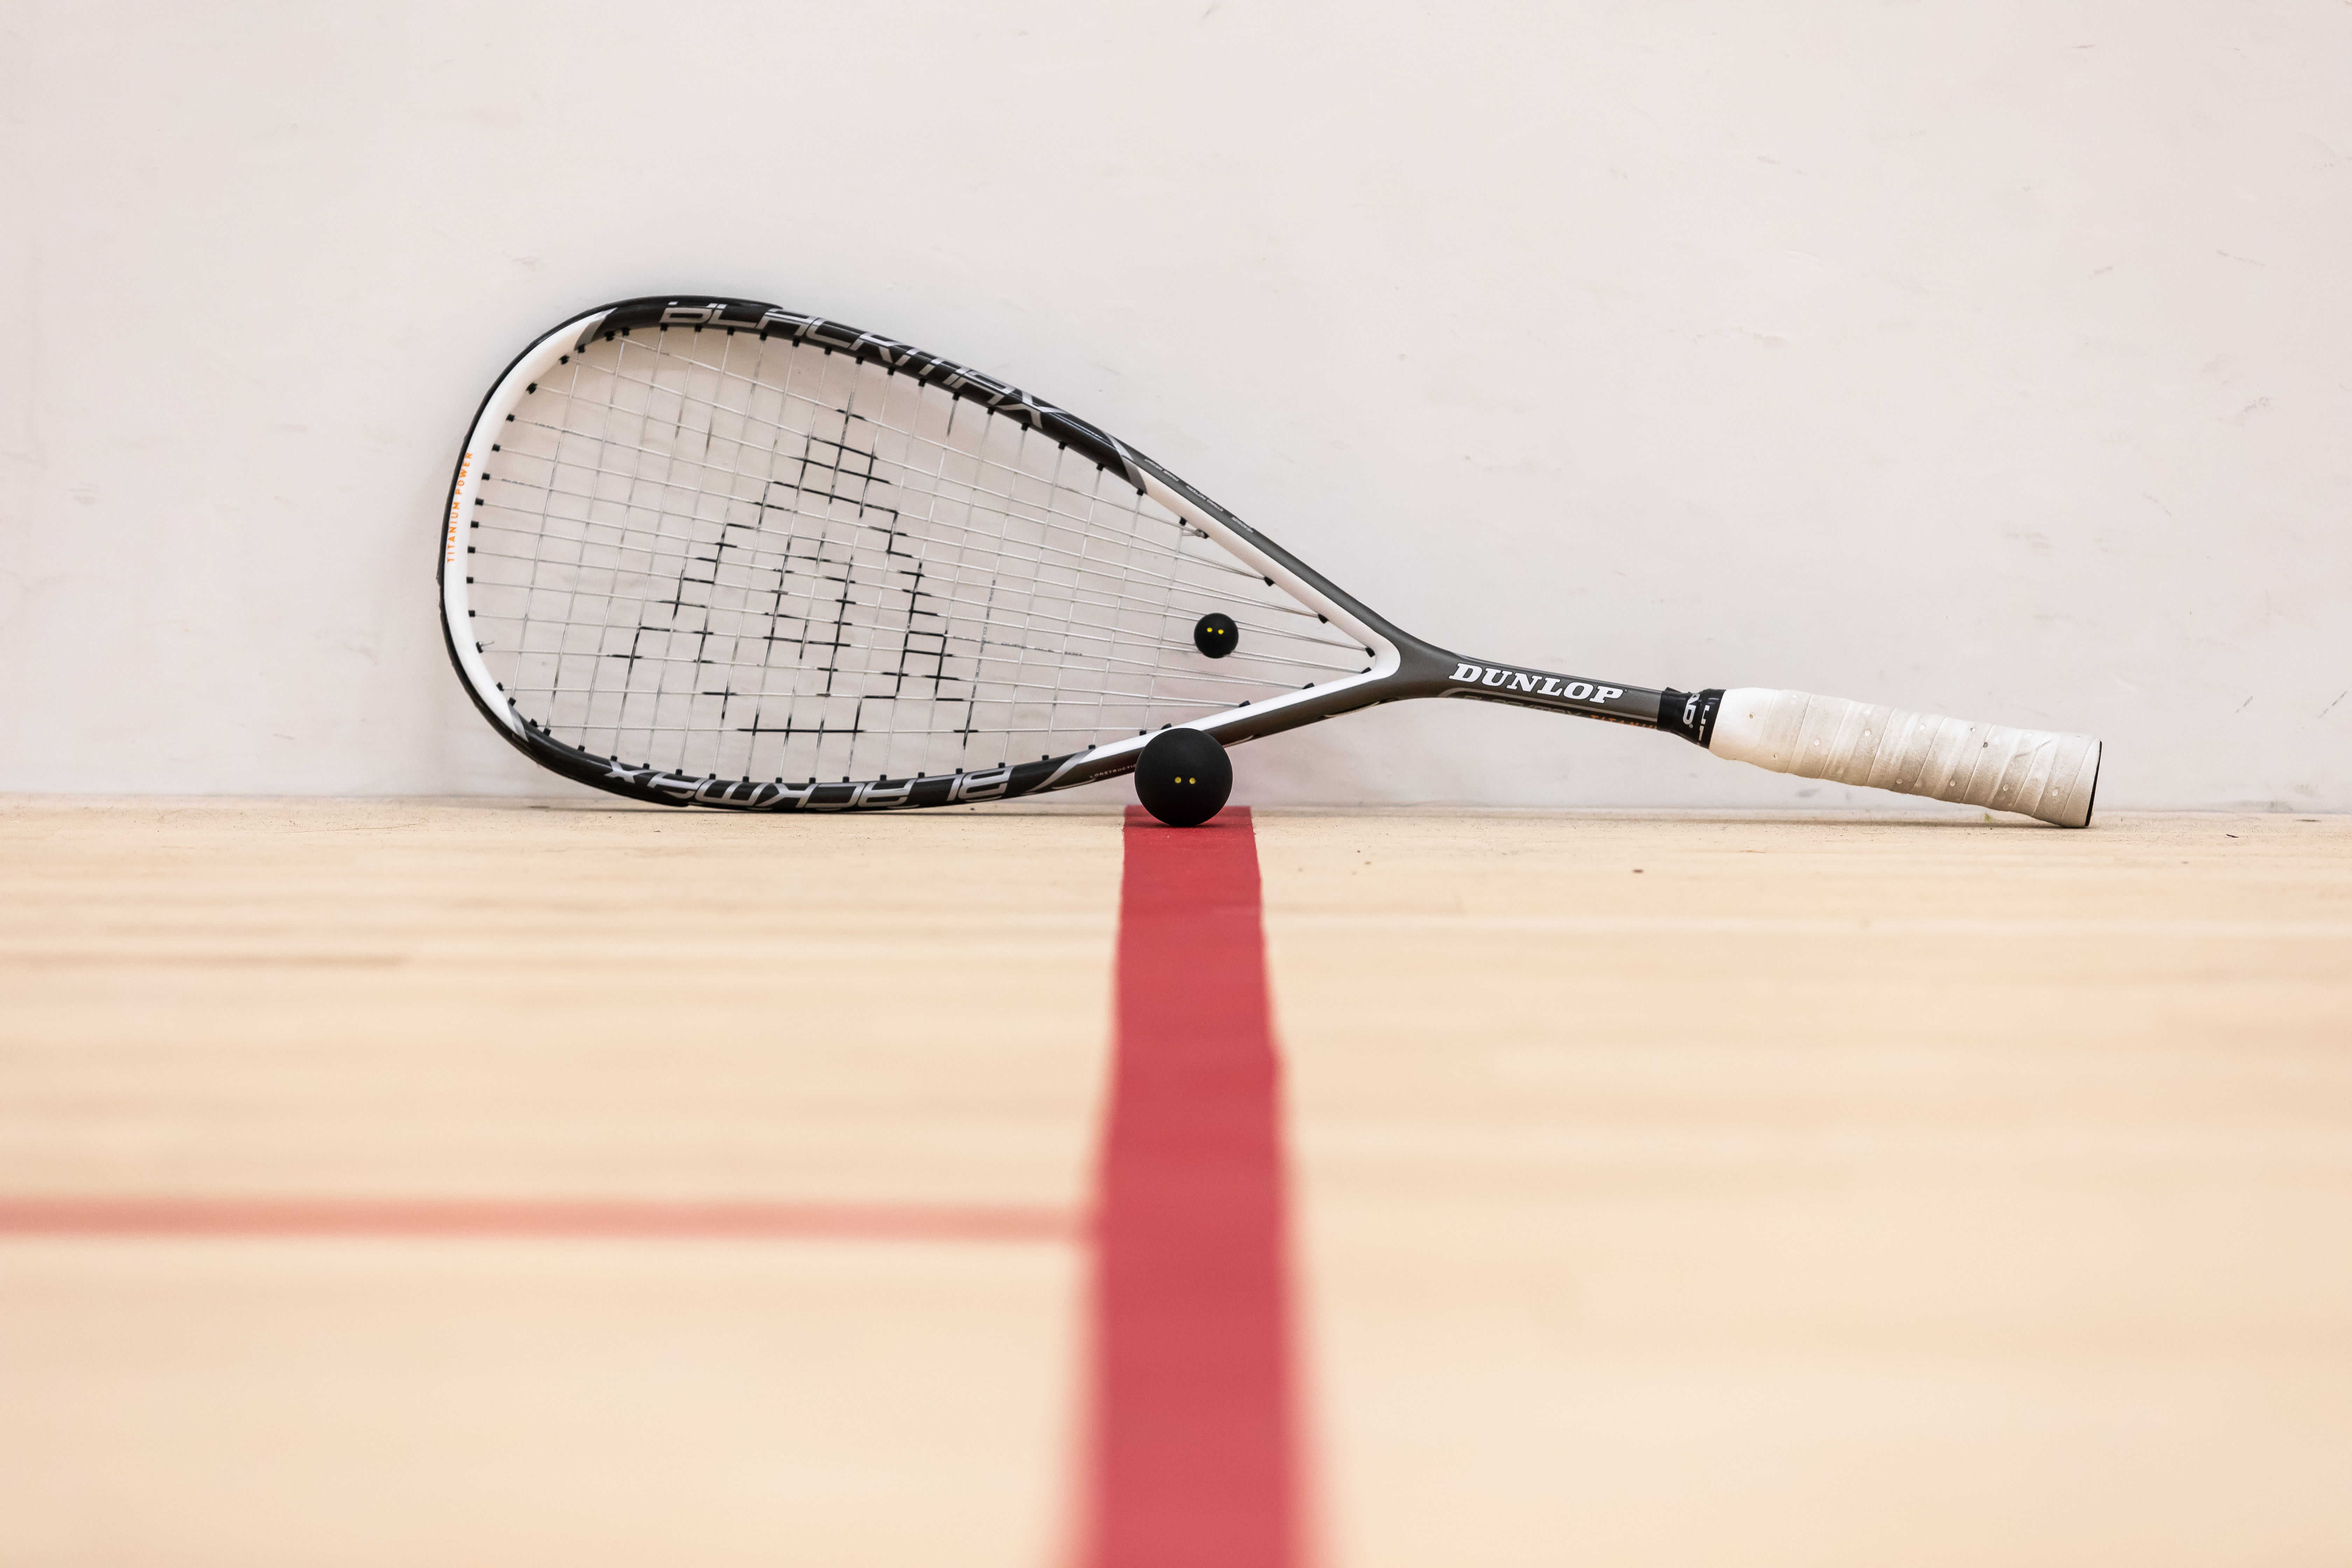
{"points": [[1524, 687]]}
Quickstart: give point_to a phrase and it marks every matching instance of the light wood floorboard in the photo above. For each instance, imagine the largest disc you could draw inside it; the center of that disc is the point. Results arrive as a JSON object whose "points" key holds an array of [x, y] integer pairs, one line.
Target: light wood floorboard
{"points": [[1801, 1192], [452, 1001]]}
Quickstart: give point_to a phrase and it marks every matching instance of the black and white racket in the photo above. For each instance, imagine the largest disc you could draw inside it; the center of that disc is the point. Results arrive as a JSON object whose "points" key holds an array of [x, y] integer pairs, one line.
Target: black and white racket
{"points": [[712, 552]]}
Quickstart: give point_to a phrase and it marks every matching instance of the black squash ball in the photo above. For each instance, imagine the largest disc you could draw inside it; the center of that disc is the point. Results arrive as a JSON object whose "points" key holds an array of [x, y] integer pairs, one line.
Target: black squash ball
{"points": [[1216, 635], [1183, 777]]}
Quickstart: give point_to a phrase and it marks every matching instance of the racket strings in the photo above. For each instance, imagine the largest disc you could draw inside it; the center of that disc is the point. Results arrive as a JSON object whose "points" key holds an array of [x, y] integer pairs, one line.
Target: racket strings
{"points": [[1282, 607], [1210, 563], [1078, 632], [978, 542], [769, 562]]}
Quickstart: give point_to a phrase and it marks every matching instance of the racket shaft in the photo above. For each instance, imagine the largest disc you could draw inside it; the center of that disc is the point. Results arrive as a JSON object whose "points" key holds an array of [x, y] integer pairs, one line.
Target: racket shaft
{"points": [[2039, 773]]}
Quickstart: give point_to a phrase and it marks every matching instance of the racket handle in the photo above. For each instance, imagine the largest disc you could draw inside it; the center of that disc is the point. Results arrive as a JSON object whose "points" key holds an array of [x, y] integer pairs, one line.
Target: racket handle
{"points": [[2037, 773]]}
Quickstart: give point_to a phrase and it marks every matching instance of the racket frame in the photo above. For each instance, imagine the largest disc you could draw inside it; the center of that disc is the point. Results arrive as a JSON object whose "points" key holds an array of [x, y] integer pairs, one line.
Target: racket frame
{"points": [[1403, 665]]}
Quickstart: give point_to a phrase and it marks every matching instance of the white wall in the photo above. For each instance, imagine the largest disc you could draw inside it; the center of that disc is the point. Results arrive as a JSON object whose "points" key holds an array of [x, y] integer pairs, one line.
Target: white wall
{"points": [[1990, 358]]}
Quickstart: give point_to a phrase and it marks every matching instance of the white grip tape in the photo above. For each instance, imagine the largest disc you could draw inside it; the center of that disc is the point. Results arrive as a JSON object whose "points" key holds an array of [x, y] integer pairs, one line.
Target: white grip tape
{"points": [[2036, 772]]}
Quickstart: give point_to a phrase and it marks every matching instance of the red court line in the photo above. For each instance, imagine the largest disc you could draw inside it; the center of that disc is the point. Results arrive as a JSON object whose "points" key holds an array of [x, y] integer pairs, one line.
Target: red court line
{"points": [[1193, 1462], [524, 1219]]}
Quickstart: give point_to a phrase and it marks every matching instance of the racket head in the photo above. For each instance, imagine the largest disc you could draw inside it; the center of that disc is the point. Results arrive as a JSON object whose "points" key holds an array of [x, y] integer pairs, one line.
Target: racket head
{"points": [[708, 551]]}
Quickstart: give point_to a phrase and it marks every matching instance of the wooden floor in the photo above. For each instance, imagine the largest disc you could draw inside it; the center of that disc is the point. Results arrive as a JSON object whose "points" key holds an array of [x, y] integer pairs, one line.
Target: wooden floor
{"points": [[1672, 1189]]}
